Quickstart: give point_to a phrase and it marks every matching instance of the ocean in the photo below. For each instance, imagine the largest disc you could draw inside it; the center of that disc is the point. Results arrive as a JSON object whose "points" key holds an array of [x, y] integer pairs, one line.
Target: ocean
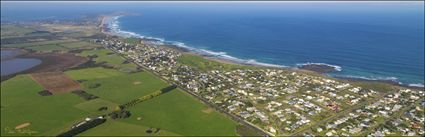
{"points": [[367, 40]]}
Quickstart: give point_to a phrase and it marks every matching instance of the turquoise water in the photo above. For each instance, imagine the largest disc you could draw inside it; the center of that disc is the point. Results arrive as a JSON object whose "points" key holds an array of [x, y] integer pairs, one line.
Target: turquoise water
{"points": [[370, 40]]}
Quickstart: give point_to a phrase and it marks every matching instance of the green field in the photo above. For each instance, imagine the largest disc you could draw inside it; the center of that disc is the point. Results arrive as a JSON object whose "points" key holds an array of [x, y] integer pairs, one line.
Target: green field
{"points": [[93, 106], [180, 113], [116, 128], [93, 73], [176, 111], [119, 88], [203, 64], [105, 55], [8, 31], [41, 43], [47, 115]]}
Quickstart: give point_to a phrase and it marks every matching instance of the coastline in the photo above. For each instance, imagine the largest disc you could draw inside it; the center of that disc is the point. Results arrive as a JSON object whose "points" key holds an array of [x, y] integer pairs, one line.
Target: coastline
{"points": [[109, 25]]}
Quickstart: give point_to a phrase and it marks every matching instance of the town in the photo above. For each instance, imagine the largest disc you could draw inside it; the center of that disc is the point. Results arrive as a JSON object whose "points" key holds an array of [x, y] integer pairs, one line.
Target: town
{"points": [[285, 102]]}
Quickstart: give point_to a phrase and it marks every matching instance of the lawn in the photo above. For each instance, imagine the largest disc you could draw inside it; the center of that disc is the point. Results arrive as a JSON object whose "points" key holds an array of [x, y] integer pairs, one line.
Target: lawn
{"points": [[93, 106], [203, 64], [118, 88], [116, 128], [175, 111], [64, 46], [180, 113], [47, 48], [47, 115], [105, 55], [79, 45], [93, 73], [29, 44]]}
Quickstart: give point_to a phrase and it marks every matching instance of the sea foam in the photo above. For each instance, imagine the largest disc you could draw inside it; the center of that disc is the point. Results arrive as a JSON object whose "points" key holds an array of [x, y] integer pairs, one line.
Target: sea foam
{"points": [[114, 25], [337, 68]]}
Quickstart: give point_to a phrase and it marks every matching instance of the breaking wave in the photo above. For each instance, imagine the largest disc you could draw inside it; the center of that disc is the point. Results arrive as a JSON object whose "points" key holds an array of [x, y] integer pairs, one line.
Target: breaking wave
{"points": [[417, 85], [394, 79], [337, 68], [113, 25]]}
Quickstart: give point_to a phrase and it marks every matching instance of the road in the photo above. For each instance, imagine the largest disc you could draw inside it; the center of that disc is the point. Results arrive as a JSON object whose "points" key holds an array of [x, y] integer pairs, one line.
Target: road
{"points": [[236, 118]]}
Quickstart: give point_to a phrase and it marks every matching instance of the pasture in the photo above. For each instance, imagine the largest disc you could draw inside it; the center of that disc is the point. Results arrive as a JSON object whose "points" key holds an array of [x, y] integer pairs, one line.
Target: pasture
{"points": [[47, 115], [175, 111], [180, 113], [203, 64], [105, 55], [117, 128], [118, 88]]}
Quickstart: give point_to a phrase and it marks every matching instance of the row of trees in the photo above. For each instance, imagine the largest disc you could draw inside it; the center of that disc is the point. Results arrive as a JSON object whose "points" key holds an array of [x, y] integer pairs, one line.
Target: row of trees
{"points": [[147, 97], [84, 94]]}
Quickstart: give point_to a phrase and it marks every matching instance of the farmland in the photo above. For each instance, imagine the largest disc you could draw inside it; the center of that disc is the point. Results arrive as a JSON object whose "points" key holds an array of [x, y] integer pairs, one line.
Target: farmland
{"points": [[179, 113], [112, 79], [117, 128], [122, 88], [47, 115], [175, 111], [112, 59]]}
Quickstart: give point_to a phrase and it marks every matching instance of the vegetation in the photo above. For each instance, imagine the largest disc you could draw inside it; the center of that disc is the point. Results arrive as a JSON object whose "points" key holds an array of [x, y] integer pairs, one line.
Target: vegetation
{"points": [[246, 132], [14, 31], [119, 88], [117, 128], [84, 95], [116, 61], [21, 102], [203, 64], [47, 115], [180, 113], [81, 128], [94, 105]]}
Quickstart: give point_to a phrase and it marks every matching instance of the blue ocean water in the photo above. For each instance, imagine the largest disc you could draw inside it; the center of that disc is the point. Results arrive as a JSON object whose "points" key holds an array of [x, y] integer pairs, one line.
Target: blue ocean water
{"points": [[373, 40]]}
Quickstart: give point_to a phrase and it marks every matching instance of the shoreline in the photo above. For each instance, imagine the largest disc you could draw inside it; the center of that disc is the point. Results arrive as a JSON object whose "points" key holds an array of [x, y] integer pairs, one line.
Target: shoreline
{"points": [[109, 26]]}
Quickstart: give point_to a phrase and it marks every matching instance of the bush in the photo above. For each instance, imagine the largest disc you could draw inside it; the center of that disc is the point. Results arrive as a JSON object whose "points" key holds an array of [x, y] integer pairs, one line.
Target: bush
{"points": [[45, 93], [84, 94], [103, 108], [95, 85], [120, 114]]}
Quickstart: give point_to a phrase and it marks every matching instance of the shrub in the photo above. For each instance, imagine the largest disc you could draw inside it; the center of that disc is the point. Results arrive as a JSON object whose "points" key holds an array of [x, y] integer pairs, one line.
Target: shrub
{"points": [[45, 93], [120, 114], [84, 94]]}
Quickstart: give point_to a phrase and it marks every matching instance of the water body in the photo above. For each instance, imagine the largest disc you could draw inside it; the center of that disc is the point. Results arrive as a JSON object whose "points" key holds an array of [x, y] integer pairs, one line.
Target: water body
{"points": [[11, 65], [370, 40]]}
